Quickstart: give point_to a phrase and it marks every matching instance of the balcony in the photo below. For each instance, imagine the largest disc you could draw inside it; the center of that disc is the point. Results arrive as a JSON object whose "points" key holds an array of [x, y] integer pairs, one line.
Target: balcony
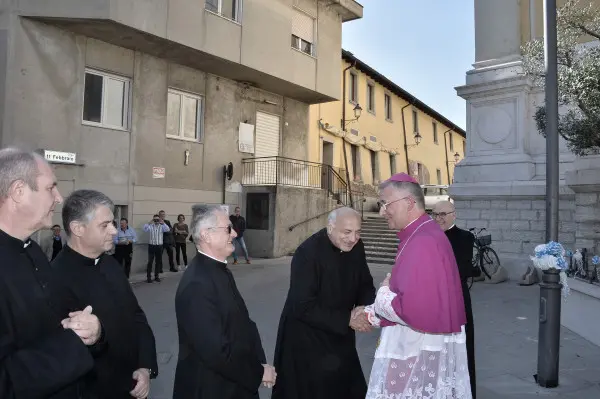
{"points": [[279, 171]]}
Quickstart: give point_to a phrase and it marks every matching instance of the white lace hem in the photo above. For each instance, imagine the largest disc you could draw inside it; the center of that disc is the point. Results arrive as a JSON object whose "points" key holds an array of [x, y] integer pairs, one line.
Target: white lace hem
{"points": [[409, 364]]}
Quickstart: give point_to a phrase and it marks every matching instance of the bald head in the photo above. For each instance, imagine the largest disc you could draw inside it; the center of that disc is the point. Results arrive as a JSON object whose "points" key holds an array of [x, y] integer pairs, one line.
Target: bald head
{"points": [[444, 214], [343, 228], [342, 213], [444, 206]]}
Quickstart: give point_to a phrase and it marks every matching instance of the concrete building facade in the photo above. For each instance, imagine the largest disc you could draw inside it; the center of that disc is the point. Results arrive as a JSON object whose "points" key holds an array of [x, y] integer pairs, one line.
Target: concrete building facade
{"points": [[396, 132], [147, 101]]}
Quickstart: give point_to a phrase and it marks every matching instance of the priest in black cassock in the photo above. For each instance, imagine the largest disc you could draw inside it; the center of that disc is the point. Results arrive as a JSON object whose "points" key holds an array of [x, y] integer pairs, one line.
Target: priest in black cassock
{"points": [[39, 357], [462, 242], [330, 283], [85, 275], [220, 352]]}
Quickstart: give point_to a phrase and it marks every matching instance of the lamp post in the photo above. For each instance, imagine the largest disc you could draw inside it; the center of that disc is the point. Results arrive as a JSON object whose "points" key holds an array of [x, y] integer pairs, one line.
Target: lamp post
{"points": [[357, 112], [446, 155], [550, 287]]}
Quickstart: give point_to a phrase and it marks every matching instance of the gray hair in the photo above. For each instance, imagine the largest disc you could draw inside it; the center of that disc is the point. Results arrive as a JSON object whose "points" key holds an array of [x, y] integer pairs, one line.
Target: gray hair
{"points": [[16, 164], [341, 212], [413, 189], [203, 217], [81, 206]]}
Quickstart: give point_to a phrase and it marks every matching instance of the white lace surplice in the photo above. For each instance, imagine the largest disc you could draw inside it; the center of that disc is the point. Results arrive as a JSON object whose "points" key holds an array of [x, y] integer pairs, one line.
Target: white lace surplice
{"points": [[409, 364]]}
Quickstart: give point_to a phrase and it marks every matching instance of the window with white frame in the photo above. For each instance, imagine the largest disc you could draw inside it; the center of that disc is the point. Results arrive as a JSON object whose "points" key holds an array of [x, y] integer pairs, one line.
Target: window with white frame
{"points": [[303, 32], [230, 9], [387, 103], [106, 100], [184, 115]]}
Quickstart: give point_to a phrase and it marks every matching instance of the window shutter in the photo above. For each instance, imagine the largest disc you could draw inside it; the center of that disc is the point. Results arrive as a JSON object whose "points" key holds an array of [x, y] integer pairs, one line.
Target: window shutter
{"points": [[303, 26]]}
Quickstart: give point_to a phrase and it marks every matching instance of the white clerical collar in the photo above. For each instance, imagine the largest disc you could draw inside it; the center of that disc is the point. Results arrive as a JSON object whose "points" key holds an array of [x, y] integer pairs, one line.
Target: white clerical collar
{"points": [[26, 244], [411, 223], [450, 228], [212, 257]]}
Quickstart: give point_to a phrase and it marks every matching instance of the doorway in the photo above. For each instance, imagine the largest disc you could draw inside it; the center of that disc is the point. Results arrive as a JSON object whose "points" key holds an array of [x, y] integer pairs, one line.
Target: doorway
{"points": [[327, 160]]}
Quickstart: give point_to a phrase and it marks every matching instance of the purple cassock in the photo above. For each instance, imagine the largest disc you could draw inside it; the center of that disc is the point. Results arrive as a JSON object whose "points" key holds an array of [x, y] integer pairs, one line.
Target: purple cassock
{"points": [[425, 278]]}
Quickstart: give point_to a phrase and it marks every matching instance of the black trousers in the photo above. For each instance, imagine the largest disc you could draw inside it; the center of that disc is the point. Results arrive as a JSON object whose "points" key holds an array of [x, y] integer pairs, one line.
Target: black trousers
{"points": [[169, 249], [181, 246], [154, 253], [470, 335], [124, 259]]}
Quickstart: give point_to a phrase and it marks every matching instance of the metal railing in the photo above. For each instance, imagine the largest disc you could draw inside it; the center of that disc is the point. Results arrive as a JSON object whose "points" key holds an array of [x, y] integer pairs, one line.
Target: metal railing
{"points": [[280, 171], [355, 205]]}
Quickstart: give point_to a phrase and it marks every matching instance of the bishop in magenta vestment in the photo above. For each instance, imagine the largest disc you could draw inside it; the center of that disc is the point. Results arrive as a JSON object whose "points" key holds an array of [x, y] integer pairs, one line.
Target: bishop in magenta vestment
{"points": [[422, 349]]}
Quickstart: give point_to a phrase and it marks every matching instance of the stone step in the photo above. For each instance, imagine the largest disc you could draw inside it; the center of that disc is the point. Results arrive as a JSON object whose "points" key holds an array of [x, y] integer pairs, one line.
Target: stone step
{"points": [[376, 236], [383, 253], [373, 247], [383, 261], [378, 223], [383, 244], [378, 232], [380, 254]]}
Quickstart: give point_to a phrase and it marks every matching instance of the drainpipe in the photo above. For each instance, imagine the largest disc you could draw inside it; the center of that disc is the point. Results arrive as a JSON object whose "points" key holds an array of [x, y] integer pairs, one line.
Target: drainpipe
{"points": [[446, 154], [405, 140], [343, 126]]}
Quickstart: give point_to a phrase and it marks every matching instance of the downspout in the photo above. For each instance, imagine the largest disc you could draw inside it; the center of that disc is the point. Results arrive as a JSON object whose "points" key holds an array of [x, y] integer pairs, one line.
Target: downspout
{"points": [[446, 154], [405, 140], [343, 126]]}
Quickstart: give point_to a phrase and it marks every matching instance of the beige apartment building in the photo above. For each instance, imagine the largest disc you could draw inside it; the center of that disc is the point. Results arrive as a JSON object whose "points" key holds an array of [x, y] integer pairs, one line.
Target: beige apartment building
{"points": [[149, 100]]}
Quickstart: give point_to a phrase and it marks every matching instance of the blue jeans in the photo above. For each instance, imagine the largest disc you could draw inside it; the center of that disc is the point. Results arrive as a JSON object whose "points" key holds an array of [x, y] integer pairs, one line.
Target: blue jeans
{"points": [[239, 241]]}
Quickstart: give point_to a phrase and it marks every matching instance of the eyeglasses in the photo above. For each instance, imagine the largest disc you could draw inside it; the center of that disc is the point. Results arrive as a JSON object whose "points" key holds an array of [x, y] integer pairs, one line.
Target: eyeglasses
{"points": [[383, 205], [227, 228], [441, 214]]}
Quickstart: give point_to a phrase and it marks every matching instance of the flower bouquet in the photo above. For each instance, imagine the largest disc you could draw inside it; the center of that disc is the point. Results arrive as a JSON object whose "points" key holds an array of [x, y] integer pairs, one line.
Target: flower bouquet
{"points": [[596, 263], [552, 256]]}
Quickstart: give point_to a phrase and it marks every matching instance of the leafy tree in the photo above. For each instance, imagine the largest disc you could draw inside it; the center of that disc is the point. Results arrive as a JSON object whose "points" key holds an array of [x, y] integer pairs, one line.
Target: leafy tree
{"points": [[578, 29]]}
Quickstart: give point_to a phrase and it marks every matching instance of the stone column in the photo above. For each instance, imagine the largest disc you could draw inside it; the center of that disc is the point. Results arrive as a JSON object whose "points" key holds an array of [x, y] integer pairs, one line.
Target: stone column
{"points": [[497, 32], [500, 184]]}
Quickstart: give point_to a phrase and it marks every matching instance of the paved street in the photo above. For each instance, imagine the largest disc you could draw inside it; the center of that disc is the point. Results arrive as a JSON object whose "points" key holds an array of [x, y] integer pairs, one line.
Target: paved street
{"points": [[505, 325]]}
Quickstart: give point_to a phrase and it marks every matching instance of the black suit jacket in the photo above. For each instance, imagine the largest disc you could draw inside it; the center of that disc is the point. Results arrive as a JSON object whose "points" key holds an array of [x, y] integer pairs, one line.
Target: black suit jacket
{"points": [[128, 342], [38, 358], [220, 352], [462, 242]]}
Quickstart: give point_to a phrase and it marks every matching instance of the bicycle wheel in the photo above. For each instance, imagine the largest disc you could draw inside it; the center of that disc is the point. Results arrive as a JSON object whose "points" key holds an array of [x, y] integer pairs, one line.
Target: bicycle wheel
{"points": [[491, 262]]}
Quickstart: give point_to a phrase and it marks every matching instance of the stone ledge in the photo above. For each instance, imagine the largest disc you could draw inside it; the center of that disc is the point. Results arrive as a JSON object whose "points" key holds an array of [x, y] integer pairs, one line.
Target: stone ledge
{"points": [[584, 288], [583, 302]]}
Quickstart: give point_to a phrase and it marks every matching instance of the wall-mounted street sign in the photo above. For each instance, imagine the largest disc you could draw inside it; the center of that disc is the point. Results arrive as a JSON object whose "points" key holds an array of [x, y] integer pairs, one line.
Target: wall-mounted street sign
{"points": [[60, 157], [158, 172]]}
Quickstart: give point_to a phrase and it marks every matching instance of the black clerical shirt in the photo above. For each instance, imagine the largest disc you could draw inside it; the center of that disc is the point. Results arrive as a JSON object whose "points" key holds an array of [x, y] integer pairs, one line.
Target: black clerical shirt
{"points": [[39, 359]]}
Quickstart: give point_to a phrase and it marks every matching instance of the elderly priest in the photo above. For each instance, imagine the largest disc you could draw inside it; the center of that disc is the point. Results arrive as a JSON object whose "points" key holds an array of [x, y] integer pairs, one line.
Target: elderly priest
{"points": [[315, 354]]}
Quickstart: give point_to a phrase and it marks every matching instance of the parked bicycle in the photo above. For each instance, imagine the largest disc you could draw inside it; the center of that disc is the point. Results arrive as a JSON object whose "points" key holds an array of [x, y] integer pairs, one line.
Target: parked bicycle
{"points": [[484, 256]]}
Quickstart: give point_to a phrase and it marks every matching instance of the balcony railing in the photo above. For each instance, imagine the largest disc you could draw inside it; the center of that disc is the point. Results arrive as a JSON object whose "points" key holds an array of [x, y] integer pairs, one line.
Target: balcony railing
{"points": [[280, 171]]}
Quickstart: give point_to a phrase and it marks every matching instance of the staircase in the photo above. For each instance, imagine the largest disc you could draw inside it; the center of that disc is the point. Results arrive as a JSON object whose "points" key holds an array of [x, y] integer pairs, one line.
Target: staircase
{"points": [[381, 243]]}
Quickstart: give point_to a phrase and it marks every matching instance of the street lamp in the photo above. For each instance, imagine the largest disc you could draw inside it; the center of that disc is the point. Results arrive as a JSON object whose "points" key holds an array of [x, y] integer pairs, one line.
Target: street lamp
{"points": [[357, 111], [418, 138], [456, 157], [550, 287]]}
